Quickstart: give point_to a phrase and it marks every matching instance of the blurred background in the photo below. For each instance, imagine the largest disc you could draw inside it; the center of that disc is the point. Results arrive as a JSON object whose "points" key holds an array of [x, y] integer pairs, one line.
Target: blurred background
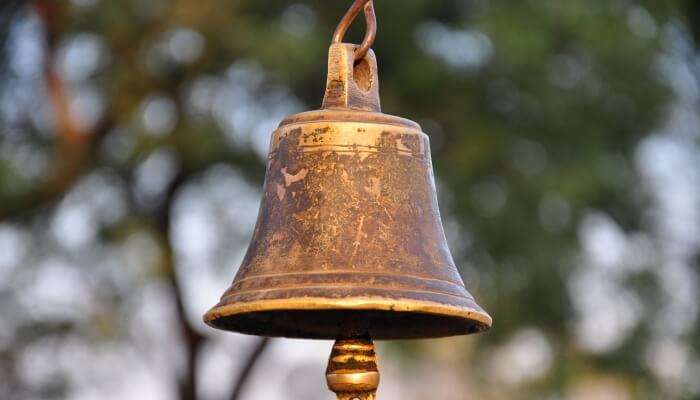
{"points": [[566, 142]]}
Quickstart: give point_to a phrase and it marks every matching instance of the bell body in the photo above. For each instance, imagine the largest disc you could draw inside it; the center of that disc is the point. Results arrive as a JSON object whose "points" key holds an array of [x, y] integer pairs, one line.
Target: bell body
{"points": [[349, 240]]}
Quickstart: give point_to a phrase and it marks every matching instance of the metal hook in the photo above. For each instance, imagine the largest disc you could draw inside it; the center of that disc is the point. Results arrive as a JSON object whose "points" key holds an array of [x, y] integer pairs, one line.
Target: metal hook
{"points": [[349, 17]]}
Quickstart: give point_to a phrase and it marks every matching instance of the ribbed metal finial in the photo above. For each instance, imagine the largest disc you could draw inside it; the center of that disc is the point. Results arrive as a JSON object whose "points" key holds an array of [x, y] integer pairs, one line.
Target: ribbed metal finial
{"points": [[352, 370]]}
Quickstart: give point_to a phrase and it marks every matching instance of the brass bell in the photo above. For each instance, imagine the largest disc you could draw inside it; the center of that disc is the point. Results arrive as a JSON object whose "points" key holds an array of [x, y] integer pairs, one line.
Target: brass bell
{"points": [[349, 242]]}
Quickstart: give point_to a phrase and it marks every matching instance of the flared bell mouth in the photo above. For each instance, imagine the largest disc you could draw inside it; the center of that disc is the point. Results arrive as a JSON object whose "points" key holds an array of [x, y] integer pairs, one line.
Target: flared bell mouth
{"points": [[328, 318]]}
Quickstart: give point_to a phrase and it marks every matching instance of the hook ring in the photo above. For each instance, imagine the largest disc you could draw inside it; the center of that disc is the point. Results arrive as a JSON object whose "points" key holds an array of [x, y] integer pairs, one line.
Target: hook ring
{"points": [[349, 17]]}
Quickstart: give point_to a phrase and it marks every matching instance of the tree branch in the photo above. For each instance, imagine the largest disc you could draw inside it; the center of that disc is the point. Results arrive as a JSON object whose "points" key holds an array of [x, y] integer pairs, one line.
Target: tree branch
{"points": [[75, 150], [75, 156], [193, 340], [250, 363]]}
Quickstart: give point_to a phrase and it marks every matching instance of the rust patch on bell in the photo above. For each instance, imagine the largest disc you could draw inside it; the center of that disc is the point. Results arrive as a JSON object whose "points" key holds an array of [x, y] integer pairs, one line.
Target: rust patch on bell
{"points": [[293, 178]]}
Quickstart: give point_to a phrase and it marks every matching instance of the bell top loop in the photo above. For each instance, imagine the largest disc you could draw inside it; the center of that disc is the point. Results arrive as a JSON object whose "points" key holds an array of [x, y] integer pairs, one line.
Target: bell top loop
{"points": [[351, 85], [349, 17]]}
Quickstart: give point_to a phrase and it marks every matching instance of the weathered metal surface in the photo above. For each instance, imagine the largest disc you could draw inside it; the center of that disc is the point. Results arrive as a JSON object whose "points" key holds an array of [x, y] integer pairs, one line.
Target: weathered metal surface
{"points": [[351, 85], [352, 370], [349, 240]]}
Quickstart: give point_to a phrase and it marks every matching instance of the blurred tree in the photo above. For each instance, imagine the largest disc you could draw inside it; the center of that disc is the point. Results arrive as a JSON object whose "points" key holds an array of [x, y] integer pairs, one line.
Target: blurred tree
{"points": [[113, 112]]}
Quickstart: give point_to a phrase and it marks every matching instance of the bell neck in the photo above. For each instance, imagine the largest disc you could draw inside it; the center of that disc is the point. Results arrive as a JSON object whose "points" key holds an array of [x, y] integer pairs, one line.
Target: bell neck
{"points": [[351, 84]]}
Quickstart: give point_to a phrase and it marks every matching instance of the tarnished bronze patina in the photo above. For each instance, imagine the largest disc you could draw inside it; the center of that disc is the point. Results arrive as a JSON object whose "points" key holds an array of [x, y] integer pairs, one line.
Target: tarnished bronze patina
{"points": [[349, 242], [349, 239]]}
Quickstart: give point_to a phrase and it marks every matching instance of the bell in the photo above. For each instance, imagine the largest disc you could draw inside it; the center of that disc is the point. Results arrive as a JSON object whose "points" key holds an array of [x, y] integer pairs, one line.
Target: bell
{"points": [[349, 242]]}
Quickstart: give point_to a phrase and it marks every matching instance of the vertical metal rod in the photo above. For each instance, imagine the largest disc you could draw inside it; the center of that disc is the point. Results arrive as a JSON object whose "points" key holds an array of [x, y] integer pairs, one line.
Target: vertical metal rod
{"points": [[352, 369]]}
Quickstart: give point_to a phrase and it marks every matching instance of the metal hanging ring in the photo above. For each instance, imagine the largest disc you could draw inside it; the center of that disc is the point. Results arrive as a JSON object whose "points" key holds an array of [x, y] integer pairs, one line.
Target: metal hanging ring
{"points": [[349, 17]]}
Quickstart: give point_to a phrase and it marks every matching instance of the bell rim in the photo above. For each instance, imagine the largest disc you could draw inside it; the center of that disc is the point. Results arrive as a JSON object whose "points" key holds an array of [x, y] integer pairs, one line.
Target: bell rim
{"points": [[482, 320]]}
